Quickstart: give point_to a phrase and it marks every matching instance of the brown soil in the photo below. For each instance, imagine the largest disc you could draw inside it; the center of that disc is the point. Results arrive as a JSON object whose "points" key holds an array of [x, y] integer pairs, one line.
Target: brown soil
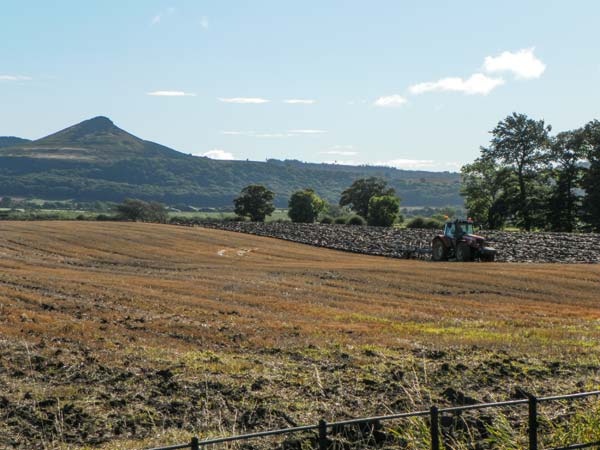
{"points": [[112, 331]]}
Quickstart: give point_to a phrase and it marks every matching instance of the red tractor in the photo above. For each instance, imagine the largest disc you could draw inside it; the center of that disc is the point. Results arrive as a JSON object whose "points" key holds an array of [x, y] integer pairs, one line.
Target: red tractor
{"points": [[459, 242]]}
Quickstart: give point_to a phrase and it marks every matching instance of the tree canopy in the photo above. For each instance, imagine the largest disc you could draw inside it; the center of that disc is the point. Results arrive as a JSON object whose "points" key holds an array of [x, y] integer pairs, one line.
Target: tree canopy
{"points": [[530, 179], [358, 195], [383, 210], [489, 190], [305, 206], [255, 201], [568, 151], [521, 143], [591, 179]]}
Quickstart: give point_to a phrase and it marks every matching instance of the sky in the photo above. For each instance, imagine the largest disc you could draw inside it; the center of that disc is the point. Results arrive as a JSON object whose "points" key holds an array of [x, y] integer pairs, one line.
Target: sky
{"points": [[413, 85]]}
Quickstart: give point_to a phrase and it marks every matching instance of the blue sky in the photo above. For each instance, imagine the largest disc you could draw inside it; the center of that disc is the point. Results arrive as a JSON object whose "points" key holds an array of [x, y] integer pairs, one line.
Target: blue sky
{"points": [[409, 84]]}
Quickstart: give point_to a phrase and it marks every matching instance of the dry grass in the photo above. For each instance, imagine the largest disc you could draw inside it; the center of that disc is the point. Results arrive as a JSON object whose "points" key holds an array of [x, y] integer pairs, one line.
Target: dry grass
{"points": [[242, 323]]}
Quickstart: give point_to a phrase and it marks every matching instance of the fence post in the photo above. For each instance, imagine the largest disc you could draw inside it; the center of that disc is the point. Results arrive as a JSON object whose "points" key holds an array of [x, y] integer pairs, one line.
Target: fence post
{"points": [[434, 427], [195, 444], [533, 422], [322, 435]]}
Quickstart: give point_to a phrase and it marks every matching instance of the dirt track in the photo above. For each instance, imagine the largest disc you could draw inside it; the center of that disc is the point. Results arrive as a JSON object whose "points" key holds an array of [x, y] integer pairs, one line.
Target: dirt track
{"points": [[511, 246]]}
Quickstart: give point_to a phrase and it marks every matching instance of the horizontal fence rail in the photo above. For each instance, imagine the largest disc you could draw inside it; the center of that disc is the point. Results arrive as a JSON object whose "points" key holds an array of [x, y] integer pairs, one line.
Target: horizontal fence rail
{"points": [[434, 414]]}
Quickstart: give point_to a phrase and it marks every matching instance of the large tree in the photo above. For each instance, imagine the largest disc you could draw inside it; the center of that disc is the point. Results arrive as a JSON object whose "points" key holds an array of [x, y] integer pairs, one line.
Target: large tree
{"points": [[358, 195], [567, 152], [591, 180], [305, 206], [255, 201], [521, 143], [488, 190]]}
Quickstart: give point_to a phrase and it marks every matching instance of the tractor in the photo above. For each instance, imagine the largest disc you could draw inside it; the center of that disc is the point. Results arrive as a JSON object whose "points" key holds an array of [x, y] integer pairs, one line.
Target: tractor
{"points": [[460, 243]]}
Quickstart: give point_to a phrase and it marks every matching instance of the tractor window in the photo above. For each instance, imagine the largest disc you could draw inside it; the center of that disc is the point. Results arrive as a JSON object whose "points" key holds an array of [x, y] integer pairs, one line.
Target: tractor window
{"points": [[449, 230], [464, 228]]}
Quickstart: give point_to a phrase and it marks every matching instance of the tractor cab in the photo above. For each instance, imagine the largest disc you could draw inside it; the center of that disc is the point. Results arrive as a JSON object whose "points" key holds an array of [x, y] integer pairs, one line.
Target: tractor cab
{"points": [[459, 241], [458, 228]]}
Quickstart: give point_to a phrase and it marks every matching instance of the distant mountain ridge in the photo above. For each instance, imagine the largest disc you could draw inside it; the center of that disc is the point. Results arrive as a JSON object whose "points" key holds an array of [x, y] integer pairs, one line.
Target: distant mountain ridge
{"points": [[96, 160]]}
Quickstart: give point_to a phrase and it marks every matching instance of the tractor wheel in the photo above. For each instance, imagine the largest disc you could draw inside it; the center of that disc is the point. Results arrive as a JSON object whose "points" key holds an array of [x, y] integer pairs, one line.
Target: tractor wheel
{"points": [[488, 258], [463, 252], [439, 252]]}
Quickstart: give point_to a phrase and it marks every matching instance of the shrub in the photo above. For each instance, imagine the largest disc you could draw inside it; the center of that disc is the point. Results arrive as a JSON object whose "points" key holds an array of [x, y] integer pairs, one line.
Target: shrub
{"points": [[235, 219], [182, 220], [434, 224], [327, 220], [140, 211], [417, 222], [81, 217], [356, 220], [340, 221], [422, 222], [103, 218]]}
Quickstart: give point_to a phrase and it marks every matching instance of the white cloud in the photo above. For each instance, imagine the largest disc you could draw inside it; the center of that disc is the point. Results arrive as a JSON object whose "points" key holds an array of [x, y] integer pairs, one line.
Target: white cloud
{"points": [[171, 94], [271, 135], [523, 64], [244, 100], [204, 22], [218, 154], [309, 131], [300, 101], [256, 134], [14, 78], [238, 133], [156, 19], [405, 164], [390, 101], [420, 164], [476, 84], [340, 152]]}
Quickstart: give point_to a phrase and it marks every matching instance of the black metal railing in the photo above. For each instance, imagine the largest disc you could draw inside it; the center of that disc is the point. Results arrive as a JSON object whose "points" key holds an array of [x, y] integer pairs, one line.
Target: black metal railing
{"points": [[434, 414]]}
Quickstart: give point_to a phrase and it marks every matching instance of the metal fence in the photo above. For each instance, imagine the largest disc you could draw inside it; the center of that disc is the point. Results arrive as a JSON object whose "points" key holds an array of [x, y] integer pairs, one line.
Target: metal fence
{"points": [[324, 429]]}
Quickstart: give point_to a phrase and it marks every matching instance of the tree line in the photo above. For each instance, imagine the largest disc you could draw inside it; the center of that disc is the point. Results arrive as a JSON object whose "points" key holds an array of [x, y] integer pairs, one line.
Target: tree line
{"points": [[371, 199], [531, 179]]}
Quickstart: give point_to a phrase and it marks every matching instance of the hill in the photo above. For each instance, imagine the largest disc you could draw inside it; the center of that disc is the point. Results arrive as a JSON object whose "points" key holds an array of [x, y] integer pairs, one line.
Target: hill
{"points": [[114, 331], [9, 141], [96, 160]]}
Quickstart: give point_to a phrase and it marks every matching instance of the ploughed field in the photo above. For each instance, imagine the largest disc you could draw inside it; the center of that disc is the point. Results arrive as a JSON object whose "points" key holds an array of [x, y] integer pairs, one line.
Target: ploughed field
{"points": [[124, 335], [415, 243]]}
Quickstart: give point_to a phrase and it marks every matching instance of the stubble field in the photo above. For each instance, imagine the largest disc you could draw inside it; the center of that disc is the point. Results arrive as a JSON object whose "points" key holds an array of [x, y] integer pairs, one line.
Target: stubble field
{"points": [[119, 335]]}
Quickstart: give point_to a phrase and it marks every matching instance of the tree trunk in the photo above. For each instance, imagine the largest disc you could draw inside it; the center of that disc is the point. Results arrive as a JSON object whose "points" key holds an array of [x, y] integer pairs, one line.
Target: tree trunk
{"points": [[524, 207], [569, 204]]}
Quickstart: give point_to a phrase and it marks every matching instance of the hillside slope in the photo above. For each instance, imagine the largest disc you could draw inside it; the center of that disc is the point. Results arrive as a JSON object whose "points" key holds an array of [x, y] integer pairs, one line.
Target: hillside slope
{"points": [[10, 141], [96, 160]]}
